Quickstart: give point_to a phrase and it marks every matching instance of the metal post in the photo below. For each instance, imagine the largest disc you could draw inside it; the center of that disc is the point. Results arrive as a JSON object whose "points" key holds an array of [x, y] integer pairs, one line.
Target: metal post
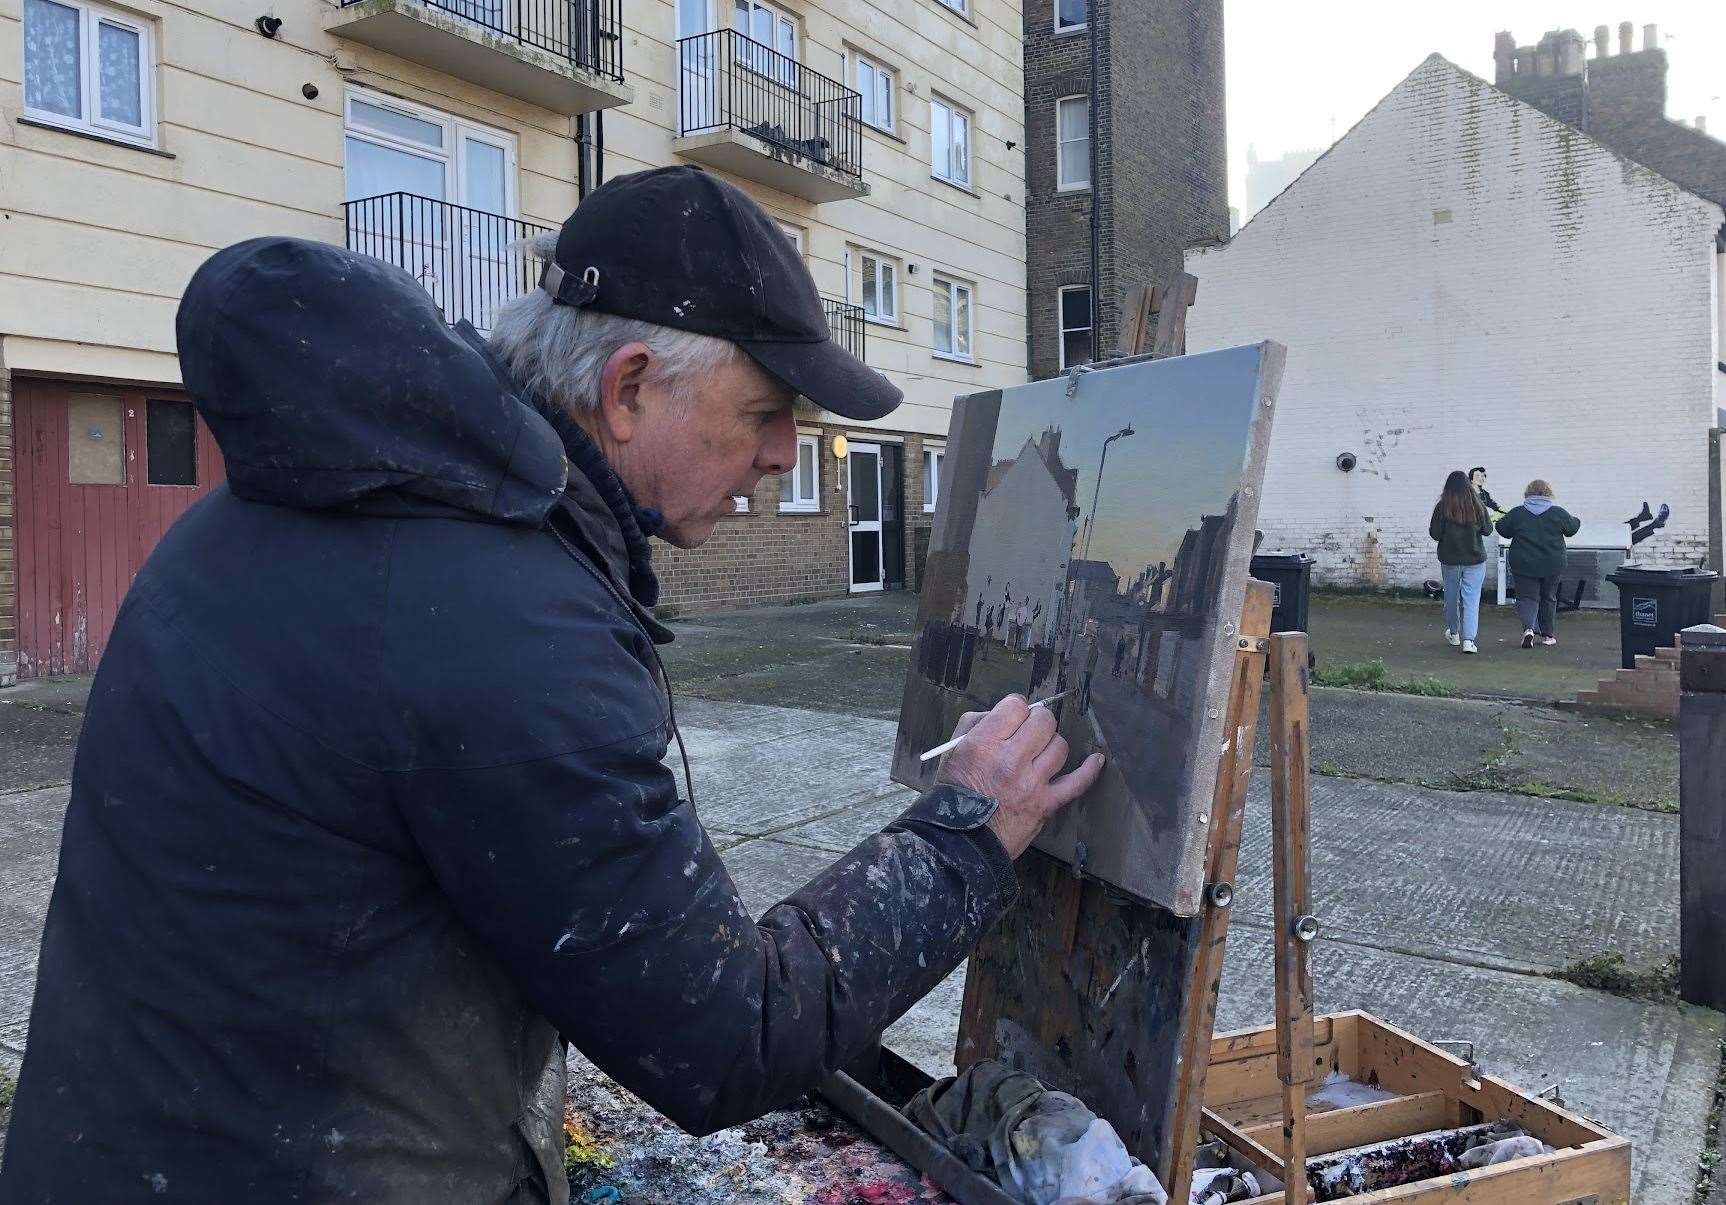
{"points": [[1702, 815]]}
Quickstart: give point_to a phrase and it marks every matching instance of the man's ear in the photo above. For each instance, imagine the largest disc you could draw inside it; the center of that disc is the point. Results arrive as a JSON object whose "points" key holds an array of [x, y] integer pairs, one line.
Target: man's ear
{"points": [[619, 411]]}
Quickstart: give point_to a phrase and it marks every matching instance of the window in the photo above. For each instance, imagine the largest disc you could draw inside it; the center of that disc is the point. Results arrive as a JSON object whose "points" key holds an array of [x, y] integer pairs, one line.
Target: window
{"points": [[950, 143], [95, 439], [932, 458], [170, 442], [1072, 143], [958, 6], [1071, 14], [740, 504], [794, 233], [88, 68], [952, 319], [774, 33], [1075, 303], [880, 287], [875, 84], [800, 489]]}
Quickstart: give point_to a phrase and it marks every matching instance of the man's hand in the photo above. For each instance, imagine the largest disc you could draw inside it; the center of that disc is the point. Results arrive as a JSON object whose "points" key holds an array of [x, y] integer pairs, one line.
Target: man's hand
{"points": [[1013, 754]]}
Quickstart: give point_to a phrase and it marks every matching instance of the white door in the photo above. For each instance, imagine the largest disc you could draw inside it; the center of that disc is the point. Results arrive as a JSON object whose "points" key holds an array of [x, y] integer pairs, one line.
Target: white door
{"points": [[863, 466], [408, 165]]}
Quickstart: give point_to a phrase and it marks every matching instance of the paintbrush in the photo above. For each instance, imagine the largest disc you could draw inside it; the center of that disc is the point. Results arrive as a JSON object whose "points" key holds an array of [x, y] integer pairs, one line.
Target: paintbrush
{"points": [[938, 750]]}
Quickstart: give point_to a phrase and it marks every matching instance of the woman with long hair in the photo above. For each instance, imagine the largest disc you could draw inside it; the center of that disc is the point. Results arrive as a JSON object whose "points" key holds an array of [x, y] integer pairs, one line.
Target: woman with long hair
{"points": [[1537, 530], [1460, 525]]}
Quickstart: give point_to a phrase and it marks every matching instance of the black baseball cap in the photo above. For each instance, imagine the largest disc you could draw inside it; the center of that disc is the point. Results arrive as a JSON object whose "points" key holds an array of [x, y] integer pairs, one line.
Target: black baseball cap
{"points": [[679, 247]]}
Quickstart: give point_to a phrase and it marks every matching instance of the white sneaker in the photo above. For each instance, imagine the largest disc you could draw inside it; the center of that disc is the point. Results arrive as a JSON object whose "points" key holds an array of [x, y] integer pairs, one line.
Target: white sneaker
{"points": [[1549, 640], [1468, 647], [1451, 638], [1528, 638]]}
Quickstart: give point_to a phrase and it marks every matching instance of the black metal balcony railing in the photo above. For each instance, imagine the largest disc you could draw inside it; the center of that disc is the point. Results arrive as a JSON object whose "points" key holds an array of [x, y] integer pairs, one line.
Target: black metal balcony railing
{"points": [[733, 82], [466, 258], [587, 33], [846, 323]]}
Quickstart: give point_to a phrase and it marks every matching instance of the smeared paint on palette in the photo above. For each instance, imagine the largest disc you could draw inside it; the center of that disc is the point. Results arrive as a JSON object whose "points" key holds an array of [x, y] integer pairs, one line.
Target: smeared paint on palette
{"points": [[805, 1154]]}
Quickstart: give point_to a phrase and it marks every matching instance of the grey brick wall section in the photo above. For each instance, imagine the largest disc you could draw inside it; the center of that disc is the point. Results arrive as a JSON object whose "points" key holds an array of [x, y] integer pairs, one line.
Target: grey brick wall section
{"points": [[1161, 156]]}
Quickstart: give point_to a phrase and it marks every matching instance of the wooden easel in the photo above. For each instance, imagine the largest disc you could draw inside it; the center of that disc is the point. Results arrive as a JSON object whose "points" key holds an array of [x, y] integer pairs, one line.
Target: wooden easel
{"points": [[1115, 999]]}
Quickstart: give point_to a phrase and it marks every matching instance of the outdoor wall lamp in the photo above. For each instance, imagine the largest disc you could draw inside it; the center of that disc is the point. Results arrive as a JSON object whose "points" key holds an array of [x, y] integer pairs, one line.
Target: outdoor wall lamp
{"points": [[269, 26], [1346, 462], [841, 447]]}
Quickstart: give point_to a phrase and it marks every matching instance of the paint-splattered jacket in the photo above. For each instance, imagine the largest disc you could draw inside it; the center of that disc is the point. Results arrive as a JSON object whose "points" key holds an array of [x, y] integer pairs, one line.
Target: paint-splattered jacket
{"points": [[369, 806]]}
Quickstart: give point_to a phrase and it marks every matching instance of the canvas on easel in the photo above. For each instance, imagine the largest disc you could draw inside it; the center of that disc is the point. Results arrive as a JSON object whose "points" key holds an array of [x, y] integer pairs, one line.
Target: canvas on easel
{"points": [[1093, 542]]}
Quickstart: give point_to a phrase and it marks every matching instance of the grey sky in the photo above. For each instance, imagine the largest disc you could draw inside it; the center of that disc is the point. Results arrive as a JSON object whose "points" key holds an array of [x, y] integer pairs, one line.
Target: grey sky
{"points": [[1301, 72]]}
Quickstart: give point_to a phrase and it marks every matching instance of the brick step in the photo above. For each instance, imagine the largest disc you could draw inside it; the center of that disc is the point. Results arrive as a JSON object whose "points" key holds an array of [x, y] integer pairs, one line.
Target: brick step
{"points": [[1656, 665], [1666, 654]]}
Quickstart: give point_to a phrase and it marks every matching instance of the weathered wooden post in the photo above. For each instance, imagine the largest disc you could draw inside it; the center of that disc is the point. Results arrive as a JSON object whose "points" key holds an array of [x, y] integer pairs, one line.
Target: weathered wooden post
{"points": [[1702, 814]]}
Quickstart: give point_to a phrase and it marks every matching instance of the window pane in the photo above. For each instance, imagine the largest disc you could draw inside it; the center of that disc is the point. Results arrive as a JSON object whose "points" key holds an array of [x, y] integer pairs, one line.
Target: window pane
{"points": [[1075, 308], [485, 176], [170, 442], [940, 144], [889, 298], [961, 147], [1073, 119], [785, 489], [761, 28], [928, 477], [96, 440], [397, 125], [806, 472], [787, 39], [871, 295], [962, 322], [740, 17], [884, 102], [1069, 13], [121, 85], [1075, 348], [52, 58], [373, 170], [943, 317]]}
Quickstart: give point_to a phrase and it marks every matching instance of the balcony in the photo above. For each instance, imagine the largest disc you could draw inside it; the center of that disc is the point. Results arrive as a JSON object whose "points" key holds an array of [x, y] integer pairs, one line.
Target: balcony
{"points": [[756, 113], [466, 259], [563, 55], [846, 323]]}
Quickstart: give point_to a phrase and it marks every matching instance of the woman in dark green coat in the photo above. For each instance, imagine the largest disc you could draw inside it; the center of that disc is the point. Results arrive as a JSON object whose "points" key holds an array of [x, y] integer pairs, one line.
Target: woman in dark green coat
{"points": [[1537, 530]]}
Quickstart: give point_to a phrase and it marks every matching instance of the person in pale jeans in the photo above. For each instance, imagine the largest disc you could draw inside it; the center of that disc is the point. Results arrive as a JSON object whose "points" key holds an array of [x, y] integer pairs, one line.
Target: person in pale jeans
{"points": [[1460, 526]]}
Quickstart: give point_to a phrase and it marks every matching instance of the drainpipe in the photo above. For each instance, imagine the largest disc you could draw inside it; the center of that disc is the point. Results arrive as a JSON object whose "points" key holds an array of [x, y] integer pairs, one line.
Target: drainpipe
{"points": [[1095, 16], [583, 160], [599, 148]]}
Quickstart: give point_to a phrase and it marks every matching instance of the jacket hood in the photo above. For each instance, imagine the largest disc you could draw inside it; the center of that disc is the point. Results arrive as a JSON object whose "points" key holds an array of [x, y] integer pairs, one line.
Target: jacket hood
{"points": [[327, 376], [1537, 504]]}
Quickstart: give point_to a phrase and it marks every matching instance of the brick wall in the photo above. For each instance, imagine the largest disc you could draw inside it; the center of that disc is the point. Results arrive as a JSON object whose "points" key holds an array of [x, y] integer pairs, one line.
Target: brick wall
{"points": [[8, 540], [1161, 156], [766, 556], [1463, 280]]}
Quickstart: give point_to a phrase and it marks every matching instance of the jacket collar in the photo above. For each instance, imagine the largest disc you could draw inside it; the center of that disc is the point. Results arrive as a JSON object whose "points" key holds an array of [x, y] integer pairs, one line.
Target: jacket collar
{"points": [[598, 505]]}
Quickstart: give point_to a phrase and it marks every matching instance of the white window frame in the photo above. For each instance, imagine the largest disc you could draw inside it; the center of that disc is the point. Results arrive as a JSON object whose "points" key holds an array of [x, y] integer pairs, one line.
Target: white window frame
{"points": [[1064, 329], [799, 503], [933, 456], [91, 18], [953, 112], [948, 288], [456, 131], [860, 62], [888, 317], [781, 18], [794, 233], [1061, 27], [1062, 154], [962, 7]]}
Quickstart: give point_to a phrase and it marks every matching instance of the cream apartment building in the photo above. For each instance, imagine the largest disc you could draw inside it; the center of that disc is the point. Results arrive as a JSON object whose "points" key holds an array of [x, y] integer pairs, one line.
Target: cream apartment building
{"points": [[138, 138]]}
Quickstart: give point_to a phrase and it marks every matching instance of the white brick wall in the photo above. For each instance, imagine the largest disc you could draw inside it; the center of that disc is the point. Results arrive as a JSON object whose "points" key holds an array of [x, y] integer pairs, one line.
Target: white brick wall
{"points": [[1462, 280]]}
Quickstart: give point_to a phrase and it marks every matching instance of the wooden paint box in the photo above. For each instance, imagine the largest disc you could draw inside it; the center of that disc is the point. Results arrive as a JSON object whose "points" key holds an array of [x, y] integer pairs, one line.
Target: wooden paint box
{"points": [[1434, 1091]]}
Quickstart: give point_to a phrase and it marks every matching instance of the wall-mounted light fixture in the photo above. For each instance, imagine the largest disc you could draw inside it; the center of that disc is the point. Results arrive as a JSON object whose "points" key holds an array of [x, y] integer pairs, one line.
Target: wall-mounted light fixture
{"points": [[269, 26], [1346, 461], [309, 91], [841, 447]]}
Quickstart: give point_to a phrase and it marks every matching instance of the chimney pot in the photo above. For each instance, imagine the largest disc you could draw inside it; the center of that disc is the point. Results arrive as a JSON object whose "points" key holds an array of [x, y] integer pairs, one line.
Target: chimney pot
{"points": [[1602, 41], [1650, 37], [1572, 52], [1702, 123], [1626, 34]]}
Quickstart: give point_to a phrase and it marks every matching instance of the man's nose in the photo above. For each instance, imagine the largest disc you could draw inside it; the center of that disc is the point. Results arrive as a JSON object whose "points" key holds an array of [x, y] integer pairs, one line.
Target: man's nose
{"points": [[778, 452]]}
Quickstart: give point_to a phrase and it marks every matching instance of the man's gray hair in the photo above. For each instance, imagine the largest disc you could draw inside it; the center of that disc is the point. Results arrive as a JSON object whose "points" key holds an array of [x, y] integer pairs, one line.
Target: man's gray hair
{"points": [[558, 352]]}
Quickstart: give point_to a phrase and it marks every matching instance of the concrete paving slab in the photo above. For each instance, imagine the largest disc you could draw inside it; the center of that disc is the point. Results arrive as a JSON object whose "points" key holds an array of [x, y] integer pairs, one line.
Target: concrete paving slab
{"points": [[1643, 1070], [30, 838], [1502, 880], [841, 831], [38, 735], [767, 871], [711, 727]]}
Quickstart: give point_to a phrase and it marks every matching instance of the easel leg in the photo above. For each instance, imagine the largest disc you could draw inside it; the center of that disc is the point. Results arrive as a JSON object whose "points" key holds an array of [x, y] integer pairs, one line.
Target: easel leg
{"points": [[1295, 927]]}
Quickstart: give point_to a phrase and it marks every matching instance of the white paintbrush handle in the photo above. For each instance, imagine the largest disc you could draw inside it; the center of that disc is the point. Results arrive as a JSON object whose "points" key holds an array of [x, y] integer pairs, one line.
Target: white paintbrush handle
{"points": [[938, 750]]}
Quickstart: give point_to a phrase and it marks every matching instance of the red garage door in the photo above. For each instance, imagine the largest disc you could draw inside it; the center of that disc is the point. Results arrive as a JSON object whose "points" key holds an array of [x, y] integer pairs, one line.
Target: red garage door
{"points": [[101, 471]]}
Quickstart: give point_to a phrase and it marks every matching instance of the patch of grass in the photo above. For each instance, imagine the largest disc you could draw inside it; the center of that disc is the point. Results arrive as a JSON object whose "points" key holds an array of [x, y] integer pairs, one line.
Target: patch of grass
{"points": [[1375, 675], [1608, 972], [1708, 1162], [1330, 769]]}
